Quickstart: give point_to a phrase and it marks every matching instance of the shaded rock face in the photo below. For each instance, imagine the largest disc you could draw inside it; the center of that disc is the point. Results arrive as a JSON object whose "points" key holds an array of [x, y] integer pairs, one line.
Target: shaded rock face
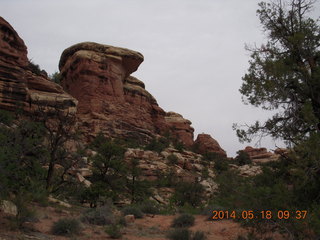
{"points": [[206, 144], [110, 100], [261, 155], [180, 127], [20, 87]]}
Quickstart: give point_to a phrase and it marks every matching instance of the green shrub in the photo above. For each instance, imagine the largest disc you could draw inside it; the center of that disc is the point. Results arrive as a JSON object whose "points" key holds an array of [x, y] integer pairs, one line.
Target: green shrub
{"points": [[242, 158], [188, 193], [158, 145], [179, 234], [99, 216], [199, 235], [184, 220], [221, 163], [149, 207], [114, 231], [66, 227], [6, 117], [133, 210], [173, 159]]}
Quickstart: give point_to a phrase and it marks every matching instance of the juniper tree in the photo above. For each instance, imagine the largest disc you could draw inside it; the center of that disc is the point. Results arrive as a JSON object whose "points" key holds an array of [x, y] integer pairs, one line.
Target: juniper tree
{"points": [[284, 73]]}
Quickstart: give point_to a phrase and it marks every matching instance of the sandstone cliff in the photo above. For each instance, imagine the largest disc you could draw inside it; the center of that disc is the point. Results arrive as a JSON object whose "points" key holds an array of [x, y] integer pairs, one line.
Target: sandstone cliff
{"points": [[102, 91], [21, 86]]}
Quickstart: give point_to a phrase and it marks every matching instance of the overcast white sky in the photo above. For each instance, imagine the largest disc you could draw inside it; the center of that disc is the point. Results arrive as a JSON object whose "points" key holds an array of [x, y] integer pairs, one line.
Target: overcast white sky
{"points": [[194, 50]]}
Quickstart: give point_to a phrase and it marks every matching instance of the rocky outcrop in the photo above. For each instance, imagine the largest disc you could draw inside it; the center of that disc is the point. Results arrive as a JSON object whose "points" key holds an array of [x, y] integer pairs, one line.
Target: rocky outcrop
{"points": [[22, 85], [188, 167], [247, 170], [206, 144], [180, 128], [261, 155], [110, 100]]}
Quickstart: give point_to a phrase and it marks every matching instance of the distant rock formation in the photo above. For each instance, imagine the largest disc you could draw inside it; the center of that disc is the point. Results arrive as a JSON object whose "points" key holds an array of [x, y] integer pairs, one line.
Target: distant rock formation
{"points": [[206, 144], [180, 127], [20, 86], [261, 155]]}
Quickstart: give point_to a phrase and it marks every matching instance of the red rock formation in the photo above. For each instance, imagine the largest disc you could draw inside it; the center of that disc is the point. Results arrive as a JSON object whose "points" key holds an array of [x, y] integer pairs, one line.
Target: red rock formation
{"points": [[205, 144], [261, 155], [20, 87], [110, 100], [180, 127]]}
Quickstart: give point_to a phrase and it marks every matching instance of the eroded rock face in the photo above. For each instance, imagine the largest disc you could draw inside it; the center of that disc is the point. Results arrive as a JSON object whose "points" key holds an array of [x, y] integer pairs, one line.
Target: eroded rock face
{"points": [[261, 155], [180, 127], [206, 144], [110, 100], [20, 87]]}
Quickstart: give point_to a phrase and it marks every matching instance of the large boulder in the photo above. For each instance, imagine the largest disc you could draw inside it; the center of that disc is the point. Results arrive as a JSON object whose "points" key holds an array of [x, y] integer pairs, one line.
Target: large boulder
{"points": [[206, 144], [22, 85]]}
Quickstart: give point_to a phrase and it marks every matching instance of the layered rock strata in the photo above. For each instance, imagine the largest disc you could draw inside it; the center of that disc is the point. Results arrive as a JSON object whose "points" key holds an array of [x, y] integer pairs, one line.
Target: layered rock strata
{"points": [[21, 86], [180, 128], [113, 101], [261, 155]]}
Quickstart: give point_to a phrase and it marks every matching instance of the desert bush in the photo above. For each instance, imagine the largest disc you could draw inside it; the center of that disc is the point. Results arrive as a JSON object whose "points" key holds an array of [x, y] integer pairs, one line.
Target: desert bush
{"points": [[149, 207], [198, 235], [114, 231], [173, 159], [99, 216], [66, 227], [179, 234], [221, 163], [184, 220], [158, 145], [242, 158], [6, 117], [188, 193], [133, 210]]}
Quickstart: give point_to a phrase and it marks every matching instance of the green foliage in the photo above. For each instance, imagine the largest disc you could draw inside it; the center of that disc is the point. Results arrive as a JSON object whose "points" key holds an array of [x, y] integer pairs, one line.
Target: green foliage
{"points": [[284, 73], [149, 207], [179, 234], [188, 193], [114, 231], [242, 158], [99, 216], [6, 117], [109, 170], [66, 227], [178, 145], [173, 159], [55, 77], [158, 144], [35, 68], [182, 221], [21, 157], [133, 210], [221, 163]]}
